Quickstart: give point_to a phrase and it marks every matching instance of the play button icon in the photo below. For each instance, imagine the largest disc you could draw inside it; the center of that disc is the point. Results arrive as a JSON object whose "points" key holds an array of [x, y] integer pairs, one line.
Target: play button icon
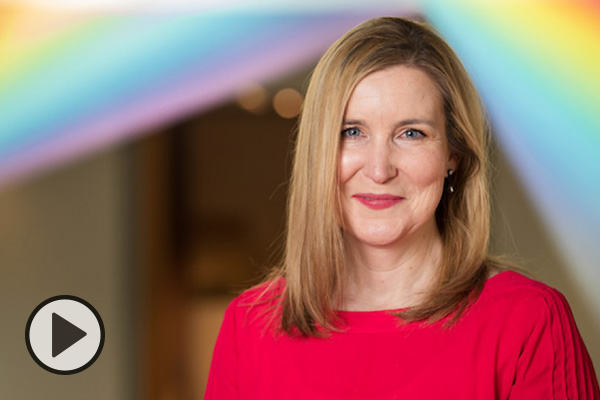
{"points": [[64, 334]]}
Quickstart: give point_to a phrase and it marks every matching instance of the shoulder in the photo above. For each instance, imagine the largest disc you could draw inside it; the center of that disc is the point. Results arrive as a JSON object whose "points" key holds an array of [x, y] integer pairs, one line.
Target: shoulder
{"points": [[257, 306], [535, 320], [513, 287], [521, 307], [265, 293], [516, 304], [522, 313]]}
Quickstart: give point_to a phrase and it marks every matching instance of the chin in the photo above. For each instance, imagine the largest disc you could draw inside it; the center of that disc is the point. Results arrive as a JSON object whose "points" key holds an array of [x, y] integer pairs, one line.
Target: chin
{"points": [[379, 239]]}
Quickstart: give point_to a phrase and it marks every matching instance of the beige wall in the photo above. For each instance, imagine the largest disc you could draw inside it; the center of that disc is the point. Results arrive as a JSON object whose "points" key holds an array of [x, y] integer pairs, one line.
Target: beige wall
{"points": [[65, 233]]}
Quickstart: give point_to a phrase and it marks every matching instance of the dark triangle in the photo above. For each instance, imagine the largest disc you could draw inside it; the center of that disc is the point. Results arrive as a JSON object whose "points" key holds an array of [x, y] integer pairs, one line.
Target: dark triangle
{"points": [[64, 334]]}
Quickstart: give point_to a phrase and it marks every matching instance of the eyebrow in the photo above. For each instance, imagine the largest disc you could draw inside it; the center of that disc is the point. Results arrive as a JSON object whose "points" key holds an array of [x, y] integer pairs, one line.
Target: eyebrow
{"points": [[404, 122]]}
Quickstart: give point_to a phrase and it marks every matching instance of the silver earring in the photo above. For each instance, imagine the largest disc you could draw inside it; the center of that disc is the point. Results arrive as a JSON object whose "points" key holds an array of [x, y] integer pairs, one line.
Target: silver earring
{"points": [[449, 176]]}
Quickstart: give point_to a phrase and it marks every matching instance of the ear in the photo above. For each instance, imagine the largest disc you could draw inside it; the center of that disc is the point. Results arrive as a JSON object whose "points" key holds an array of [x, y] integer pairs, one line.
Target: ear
{"points": [[452, 163]]}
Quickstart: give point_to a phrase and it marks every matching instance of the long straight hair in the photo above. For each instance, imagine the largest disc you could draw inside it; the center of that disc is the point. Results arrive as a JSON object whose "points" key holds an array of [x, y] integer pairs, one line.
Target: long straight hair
{"points": [[313, 263]]}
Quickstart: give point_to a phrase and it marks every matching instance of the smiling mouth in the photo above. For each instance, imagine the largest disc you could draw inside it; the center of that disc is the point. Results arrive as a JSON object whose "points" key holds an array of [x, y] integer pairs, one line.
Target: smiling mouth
{"points": [[373, 196], [381, 197], [378, 201]]}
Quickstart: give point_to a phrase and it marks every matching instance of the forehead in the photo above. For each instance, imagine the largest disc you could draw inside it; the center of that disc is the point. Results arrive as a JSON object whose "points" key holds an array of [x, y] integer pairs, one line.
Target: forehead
{"points": [[396, 90]]}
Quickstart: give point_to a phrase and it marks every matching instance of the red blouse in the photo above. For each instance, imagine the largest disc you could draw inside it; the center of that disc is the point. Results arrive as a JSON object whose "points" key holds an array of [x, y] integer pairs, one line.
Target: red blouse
{"points": [[517, 341]]}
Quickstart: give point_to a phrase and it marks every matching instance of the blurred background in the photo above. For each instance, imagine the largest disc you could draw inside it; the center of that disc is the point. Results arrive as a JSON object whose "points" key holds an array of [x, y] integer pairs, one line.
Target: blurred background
{"points": [[145, 151]]}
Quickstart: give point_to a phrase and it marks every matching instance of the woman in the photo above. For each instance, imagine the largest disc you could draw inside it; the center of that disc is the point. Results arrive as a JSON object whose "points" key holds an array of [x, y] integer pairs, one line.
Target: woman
{"points": [[386, 290]]}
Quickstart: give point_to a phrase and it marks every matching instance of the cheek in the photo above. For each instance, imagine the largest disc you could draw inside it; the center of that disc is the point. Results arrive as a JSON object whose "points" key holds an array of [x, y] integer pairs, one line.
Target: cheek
{"points": [[427, 178], [349, 163], [427, 169], [426, 184]]}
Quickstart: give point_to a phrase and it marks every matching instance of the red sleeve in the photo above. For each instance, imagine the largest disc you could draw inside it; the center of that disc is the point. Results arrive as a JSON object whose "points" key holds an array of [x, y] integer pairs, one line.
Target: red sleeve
{"points": [[554, 363], [222, 378]]}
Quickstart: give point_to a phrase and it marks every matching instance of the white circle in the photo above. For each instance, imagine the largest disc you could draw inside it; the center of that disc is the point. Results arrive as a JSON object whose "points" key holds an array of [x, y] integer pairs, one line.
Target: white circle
{"points": [[78, 354]]}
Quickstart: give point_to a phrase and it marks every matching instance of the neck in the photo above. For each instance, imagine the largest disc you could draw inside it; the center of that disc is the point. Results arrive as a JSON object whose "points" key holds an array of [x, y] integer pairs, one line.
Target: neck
{"points": [[393, 276]]}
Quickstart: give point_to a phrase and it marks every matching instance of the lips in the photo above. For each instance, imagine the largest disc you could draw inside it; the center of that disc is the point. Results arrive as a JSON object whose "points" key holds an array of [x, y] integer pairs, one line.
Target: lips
{"points": [[378, 201]]}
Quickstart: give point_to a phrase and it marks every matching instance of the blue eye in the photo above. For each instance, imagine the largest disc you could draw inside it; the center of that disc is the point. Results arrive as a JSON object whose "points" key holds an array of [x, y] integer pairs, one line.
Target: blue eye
{"points": [[413, 134], [351, 133]]}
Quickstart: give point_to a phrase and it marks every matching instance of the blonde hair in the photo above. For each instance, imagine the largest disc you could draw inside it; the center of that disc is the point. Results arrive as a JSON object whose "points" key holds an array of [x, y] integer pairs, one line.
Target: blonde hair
{"points": [[313, 260]]}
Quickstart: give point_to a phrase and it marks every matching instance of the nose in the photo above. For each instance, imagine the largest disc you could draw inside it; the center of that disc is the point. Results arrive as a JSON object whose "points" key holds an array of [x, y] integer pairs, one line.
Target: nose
{"points": [[380, 165]]}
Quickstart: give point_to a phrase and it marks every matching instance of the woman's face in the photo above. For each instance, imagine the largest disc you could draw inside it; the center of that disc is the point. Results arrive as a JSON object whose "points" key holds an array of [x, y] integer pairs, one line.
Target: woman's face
{"points": [[394, 157]]}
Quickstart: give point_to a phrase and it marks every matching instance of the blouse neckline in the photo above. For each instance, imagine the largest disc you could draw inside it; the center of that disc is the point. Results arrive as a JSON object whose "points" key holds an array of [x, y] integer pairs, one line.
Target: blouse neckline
{"points": [[384, 320]]}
